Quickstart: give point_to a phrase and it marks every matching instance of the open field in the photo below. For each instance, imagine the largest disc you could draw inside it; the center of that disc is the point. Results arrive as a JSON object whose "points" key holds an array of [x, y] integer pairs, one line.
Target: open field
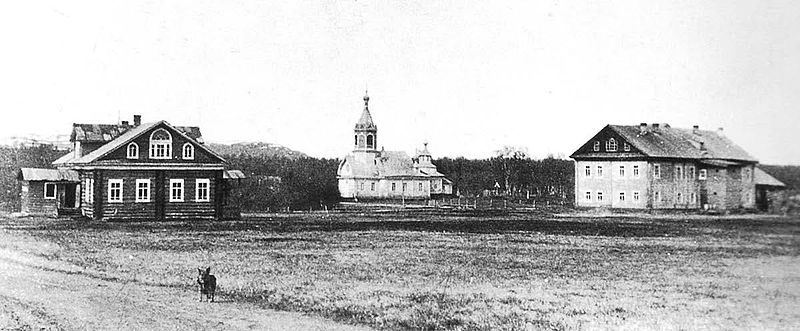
{"points": [[458, 270]]}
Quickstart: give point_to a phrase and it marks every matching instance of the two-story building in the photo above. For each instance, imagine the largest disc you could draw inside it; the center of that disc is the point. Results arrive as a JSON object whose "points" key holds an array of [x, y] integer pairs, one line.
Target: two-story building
{"points": [[660, 167]]}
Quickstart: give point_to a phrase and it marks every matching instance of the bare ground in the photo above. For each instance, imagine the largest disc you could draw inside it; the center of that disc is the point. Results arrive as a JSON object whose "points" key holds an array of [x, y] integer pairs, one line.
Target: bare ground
{"points": [[37, 293]]}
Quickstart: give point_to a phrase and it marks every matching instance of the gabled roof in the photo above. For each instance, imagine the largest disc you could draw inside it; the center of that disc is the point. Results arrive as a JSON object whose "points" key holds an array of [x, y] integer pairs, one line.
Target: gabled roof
{"points": [[52, 175], [109, 132], [129, 136], [365, 121], [761, 177], [669, 142]]}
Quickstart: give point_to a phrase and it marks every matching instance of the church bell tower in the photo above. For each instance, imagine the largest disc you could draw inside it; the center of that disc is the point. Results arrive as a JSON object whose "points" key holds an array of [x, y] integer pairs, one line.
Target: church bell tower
{"points": [[366, 132]]}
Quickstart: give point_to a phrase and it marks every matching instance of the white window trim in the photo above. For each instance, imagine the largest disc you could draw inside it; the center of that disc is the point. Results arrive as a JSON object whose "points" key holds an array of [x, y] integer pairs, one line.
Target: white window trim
{"points": [[128, 151], [657, 171], [611, 143], [636, 196], [596, 146], [183, 193], [702, 174], [588, 196], [635, 171], [599, 196], [587, 171], [147, 198], [167, 146], [626, 146], [55, 191], [621, 196], [197, 183], [121, 190], [599, 171], [191, 149], [622, 171]]}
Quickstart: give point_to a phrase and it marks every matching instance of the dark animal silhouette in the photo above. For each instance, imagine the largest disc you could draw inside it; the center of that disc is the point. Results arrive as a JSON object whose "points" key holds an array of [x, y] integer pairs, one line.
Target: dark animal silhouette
{"points": [[207, 282]]}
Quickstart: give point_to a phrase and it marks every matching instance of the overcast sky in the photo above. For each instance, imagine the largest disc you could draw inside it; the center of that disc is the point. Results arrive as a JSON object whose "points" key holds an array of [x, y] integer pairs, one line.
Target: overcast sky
{"points": [[468, 77]]}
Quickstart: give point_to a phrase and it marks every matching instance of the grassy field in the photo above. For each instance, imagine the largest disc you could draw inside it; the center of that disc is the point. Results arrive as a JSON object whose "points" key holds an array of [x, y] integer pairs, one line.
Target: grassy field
{"points": [[459, 270]]}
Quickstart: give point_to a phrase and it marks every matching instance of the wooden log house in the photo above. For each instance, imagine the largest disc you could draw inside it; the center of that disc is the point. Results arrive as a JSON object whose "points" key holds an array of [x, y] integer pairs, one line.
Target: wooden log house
{"points": [[147, 171]]}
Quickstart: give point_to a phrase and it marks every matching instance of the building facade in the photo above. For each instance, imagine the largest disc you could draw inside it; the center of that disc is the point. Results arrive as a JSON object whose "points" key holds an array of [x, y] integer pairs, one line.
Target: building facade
{"points": [[135, 171], [369, 173], [660, 167]]}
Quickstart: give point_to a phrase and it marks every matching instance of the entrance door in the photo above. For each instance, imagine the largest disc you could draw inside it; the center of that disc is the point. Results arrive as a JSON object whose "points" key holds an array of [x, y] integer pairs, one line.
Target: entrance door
{"points": [[703, 197], [69, 196], [160, 194]]}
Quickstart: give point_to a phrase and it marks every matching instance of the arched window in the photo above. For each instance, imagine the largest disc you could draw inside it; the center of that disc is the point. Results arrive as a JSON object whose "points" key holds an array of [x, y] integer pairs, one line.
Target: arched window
{"points": [[370, 141], [611, 145], [596, 146], [188, 151], [160, 144], [355, 142], [133, 151]]}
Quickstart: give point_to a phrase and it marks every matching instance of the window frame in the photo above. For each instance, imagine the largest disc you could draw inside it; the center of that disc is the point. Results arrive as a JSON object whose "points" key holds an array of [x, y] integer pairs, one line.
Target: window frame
{"points": [[599, 171], [702, 174], [621, 196], [197, 183], [599, 196], [636, 197], [139, 197], [55, 191], [128, 153], [596, 146], [636, 171], [171, 188], [588, 196], [166, 144], [656, 171], [190, 149], [679, 172], [626, 146], [588, 172], [622, 171], [112, 189], [611, 145]]}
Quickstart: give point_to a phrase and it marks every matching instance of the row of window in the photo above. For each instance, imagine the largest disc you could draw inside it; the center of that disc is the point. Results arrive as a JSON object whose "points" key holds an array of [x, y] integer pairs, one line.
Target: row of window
{"points": [[420, 186], [143, 190], [611, 146], [161, 147], [622, 171], [635, 196]]}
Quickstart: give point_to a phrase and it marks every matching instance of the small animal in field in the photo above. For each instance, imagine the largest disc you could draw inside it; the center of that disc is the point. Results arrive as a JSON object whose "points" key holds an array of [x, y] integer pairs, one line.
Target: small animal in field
{"points": [[207, 282]]}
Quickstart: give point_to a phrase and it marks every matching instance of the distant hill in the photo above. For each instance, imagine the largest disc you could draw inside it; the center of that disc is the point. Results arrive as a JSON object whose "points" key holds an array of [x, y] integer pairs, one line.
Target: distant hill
{"points": [[256, 149]]}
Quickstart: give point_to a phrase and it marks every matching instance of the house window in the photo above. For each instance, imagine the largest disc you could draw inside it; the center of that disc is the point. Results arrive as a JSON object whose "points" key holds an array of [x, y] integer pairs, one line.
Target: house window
{"points": [[188, 151], [201, 192], [611, 145], [89, 190], [160, 144], [636, 171], [372, 186], [702, 174], [176, 190], [596, 146], [693, 198], [678, 172], [746, 174], [133, 151], [420, 186], [622, 196], [626, 147], [361, 186], [599, 171], [588, 171], [588, 196], [657, 196], [49, 190], [393, 186], [635, 196], [691, 172], [622, 171], [680, 198], [142, 190], [599, 196], [115, 190], [656, 171], [404, 186]]}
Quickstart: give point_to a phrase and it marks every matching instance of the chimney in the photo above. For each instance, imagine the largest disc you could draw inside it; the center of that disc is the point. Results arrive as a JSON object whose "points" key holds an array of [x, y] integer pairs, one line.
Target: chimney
{"points": [[695, 129], [137, 120], [125, 123], [642, 128], [655, 127]]}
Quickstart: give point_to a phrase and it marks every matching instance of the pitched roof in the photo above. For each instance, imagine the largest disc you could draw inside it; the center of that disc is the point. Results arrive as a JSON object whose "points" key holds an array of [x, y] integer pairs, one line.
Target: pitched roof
{"points": [[109, 132], [52, 175], [672, 142], [127, 137], [365, 121], [761, 177], [65, 158]]}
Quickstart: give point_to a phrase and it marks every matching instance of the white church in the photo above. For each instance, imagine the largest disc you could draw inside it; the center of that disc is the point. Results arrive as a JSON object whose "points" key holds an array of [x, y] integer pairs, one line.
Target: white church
{"points": [[368, 173]]}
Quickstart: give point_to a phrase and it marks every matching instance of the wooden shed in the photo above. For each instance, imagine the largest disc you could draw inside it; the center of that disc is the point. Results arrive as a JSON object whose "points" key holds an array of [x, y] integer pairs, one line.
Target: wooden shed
{"points": [[49, 192]]}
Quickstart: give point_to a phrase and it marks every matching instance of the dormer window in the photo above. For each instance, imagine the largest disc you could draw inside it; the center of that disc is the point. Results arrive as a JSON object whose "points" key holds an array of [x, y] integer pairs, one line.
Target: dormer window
{"points": [[596, 146], [611, 145], [626, 147], [160, 144], [188, 151], [133, 151]]}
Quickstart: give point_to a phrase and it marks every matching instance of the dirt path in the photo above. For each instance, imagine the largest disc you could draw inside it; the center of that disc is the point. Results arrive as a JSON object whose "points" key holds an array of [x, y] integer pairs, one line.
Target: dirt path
{"points": [[36, 293]]}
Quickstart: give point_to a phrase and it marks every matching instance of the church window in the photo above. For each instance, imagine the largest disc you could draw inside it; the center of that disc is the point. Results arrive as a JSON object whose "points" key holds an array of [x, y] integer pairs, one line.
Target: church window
{"points": [[370, 141], [611, 145], [372, 186], [133, 151], [160, 144], [393, 186], [355, 141]]}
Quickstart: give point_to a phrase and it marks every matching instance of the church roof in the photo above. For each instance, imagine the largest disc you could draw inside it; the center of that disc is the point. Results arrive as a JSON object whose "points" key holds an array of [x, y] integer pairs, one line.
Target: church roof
{"points": [[387, 164], [365, 121]]}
